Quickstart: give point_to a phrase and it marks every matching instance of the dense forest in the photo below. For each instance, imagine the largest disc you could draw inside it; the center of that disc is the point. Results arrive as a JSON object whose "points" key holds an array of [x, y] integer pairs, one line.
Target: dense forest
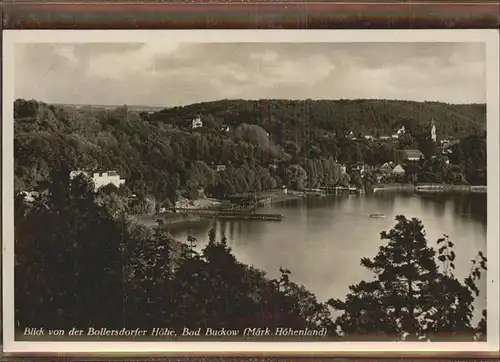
{"points": [[78, 266], [290, 118], [263, 144]]}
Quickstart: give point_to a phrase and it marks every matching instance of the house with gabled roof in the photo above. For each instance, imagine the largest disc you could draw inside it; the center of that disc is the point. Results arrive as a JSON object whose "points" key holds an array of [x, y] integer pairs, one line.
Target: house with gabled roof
{"points": [[385, 168], [399, 170], [408, 155]]}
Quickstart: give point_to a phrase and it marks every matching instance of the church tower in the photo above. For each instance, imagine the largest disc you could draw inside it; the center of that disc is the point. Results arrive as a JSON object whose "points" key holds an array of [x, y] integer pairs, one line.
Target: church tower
{"points": [[433, 130]]}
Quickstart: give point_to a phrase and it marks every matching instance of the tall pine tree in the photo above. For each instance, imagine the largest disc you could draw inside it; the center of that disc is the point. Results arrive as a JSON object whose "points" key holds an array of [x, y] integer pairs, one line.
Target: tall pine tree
{"points": [[411, 297]]}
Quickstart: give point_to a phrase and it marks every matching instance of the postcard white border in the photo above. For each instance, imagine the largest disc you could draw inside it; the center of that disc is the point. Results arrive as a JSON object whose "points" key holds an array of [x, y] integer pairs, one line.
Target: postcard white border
{"points": [[489, 37]]}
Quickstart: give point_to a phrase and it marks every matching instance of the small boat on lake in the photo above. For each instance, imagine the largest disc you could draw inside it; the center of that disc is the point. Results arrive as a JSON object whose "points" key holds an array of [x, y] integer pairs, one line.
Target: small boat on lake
{"points": [[378, 216]]}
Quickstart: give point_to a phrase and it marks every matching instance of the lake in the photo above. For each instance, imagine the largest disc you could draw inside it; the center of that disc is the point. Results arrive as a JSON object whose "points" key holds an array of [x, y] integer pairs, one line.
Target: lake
{"points": [[322, 240]]}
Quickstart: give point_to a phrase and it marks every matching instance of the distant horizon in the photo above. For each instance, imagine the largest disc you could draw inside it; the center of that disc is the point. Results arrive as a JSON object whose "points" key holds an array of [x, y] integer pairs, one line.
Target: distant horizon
{"points": [[248, 100]]}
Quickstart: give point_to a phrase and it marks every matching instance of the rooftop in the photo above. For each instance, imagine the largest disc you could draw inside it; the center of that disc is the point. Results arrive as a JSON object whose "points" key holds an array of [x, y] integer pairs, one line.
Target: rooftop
{"points": [[412, 153]]}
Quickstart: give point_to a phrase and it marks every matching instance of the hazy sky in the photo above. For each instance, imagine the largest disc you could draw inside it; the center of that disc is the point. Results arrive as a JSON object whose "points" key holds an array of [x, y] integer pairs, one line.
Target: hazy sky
{"points": [[178, 74]]}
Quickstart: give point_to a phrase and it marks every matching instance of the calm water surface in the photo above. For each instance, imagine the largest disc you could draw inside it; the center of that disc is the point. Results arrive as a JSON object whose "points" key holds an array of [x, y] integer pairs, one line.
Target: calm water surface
{"points": [[322, 240]]}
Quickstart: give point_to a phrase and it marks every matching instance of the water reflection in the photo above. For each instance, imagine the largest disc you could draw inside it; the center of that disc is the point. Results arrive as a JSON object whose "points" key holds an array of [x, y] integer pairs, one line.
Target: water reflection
{"points": [[473, 206], [323, 240]]}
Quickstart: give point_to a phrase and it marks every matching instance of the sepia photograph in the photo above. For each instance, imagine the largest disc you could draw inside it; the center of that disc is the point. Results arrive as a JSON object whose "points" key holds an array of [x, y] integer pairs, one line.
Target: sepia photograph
{"points": [[185, 189]]}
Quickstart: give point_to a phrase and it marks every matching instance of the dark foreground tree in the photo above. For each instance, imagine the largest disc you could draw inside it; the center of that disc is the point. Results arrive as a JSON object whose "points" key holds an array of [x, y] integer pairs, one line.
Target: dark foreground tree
{"points": [[79, 265], [411, 296], [147, 271], [68, 253]]}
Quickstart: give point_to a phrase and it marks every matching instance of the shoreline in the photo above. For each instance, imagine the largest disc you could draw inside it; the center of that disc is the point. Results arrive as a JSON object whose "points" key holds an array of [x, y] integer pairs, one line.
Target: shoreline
{"points": [[276, 197], [431, 188], [186, 218]]}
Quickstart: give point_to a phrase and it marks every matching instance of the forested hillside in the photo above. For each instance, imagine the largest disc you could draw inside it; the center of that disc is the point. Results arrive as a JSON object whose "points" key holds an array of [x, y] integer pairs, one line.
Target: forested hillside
{"points": [[374, 117], [159, 153]]}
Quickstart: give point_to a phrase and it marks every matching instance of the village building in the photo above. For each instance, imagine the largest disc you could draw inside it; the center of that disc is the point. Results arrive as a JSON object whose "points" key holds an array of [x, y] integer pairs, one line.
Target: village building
{"points": [[400, 131], [100, 180], [30, 196], [385, 168], [74, 174], [107, 178], [399, 170], [196, 122], [363, 168], [219, 168], [447, 147], [369, 168], [408, 155], [351, 135]]}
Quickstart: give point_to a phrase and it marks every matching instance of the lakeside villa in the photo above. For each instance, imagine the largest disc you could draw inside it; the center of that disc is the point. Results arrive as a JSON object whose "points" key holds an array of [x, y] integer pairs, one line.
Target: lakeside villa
{"points": [[101, 179]]}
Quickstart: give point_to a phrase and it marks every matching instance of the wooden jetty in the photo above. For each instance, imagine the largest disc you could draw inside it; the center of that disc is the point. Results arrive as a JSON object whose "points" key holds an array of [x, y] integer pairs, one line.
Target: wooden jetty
{"points": [[232, 214], [250, 216], [436, 188], [341, 189]]}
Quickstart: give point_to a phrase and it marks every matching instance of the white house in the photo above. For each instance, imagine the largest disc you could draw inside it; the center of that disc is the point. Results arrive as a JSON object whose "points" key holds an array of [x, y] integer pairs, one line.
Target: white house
{"points": [[385, 168], [74, 174], [409, 155], [30, 196], [100, 180], [399, 170], [196, 123], [106, 178], [401, 130]]}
